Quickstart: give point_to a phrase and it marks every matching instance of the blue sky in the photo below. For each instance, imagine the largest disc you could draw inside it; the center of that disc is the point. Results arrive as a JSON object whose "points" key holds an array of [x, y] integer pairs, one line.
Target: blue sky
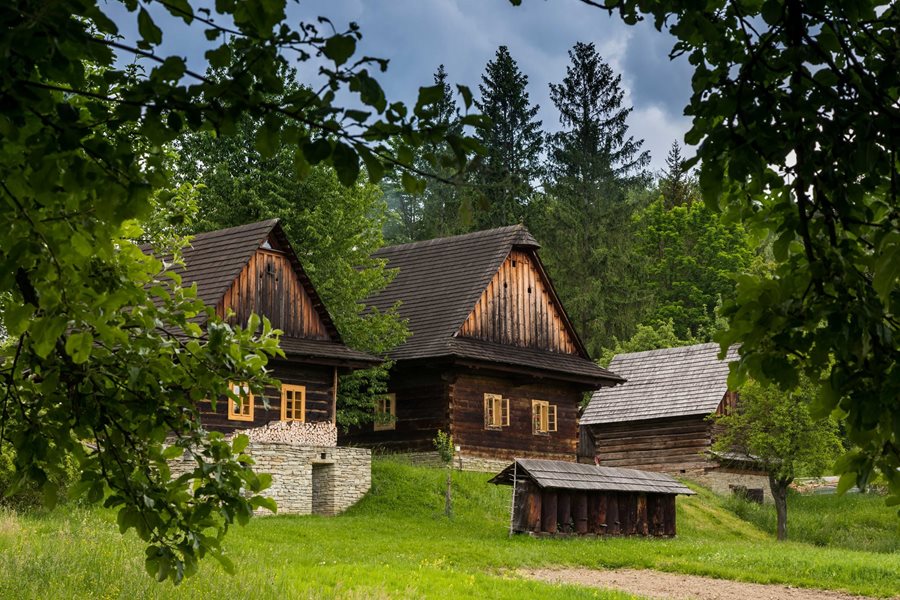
{"points": [[418, 35]]}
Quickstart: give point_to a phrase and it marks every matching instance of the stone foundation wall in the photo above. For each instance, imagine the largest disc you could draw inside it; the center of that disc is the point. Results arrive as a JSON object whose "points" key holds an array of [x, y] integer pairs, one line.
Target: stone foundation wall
{"points": [[323, 480], [723, 481]]}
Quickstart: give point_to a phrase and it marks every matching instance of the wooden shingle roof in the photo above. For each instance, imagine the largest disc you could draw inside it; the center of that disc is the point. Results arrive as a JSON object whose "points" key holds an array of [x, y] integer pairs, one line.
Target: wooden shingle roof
{"points": [[671, 382], [214, 259], [555, 474], [438, 283]]}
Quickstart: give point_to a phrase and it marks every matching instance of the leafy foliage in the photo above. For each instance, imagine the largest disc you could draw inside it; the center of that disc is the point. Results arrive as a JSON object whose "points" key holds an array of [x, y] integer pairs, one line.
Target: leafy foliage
{"points": [[778, 430], [646, 337], [794, 108], [107, 358]]}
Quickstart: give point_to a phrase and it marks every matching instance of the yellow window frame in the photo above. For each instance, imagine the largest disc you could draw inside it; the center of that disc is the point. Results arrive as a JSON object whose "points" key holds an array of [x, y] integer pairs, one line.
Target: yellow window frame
{"points": [[291, 397], [496, 411], [543, 417], [242, 409]]}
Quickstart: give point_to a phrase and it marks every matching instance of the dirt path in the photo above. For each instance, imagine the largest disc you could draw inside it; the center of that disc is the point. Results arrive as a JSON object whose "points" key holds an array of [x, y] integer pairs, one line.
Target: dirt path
{"points": [[673, 586]]}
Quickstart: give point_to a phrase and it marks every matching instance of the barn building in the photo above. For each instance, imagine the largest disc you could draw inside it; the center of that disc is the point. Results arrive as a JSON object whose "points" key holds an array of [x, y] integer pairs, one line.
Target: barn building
{"points": [[253, 269], [554, 497], [493, 358], [658, 419]]}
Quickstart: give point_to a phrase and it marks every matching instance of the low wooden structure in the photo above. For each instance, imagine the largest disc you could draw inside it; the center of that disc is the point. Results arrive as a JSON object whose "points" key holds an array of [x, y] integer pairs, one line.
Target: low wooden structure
{"points": [[493, 358], [659, 419], [555, 497]]}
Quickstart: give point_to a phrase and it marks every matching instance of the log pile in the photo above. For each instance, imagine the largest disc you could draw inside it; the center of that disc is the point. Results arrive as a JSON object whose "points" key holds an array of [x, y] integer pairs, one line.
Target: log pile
{"points": [[294, 432]]}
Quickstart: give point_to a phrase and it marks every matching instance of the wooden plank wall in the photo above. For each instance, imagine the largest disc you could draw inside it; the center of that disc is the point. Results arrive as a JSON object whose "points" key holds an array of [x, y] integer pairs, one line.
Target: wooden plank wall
{"points": [[671, 445], [579, 512], [269, 286], [422, 409], [319, 382], [517, 309], [517, 440]]}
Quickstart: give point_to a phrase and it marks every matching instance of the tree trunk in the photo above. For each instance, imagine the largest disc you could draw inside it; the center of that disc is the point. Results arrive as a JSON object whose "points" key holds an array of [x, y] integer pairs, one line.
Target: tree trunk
{"points": [[779, 489]]}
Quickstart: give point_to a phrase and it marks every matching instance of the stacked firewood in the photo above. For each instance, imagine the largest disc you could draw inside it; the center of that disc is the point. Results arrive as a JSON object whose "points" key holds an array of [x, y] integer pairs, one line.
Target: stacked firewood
{"points": [[294, 432]]}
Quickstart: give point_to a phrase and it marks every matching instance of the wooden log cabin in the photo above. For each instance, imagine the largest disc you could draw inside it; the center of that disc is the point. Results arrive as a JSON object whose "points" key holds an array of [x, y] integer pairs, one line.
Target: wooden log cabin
{"points": [[560, 498], [253, 269], [658, 419], [493, 358]]}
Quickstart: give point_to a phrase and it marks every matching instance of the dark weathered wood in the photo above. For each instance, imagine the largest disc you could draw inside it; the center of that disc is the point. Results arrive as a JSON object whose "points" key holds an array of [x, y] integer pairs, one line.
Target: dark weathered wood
{"points": [[521, 500], [580, 510], [533, 521], [672, 444], [549, 511], [318, 380], [641, 518], [269, 285], [627, 512], [669, 514], [519, 308], [595, 521], [613, 525], [564, 511]]}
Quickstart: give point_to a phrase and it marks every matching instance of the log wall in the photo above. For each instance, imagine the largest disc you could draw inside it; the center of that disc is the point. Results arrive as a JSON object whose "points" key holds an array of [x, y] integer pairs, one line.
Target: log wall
{"points": [[421, 408], [268, 285], [516, 440], [671, 445], [518, 309], [560, 511], [319, 382]]}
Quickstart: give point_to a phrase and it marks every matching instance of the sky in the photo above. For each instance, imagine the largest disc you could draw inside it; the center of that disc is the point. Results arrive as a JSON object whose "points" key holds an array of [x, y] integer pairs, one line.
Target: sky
{"points": [[418, 35]]}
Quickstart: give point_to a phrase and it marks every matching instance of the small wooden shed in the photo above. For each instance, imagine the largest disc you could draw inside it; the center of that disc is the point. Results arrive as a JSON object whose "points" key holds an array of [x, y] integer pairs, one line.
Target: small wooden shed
{"points": [[555, 497]]}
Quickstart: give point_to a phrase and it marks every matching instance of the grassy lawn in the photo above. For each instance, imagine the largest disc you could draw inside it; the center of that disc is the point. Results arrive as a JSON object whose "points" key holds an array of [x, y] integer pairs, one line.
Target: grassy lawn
{"points": [[854, 521], [397, 544]]}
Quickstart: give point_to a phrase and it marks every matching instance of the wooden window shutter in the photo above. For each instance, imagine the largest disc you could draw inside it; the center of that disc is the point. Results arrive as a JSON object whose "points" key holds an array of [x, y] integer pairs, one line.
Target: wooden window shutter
{"points": [[488, 411], [505, 412], [551, 417], [386, 412], [535, 416]]}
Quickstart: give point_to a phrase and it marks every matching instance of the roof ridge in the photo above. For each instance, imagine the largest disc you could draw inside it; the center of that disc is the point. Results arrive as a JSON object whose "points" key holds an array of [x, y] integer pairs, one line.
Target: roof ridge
{"points": [[671, 350], [228, 230], [482, 233]]}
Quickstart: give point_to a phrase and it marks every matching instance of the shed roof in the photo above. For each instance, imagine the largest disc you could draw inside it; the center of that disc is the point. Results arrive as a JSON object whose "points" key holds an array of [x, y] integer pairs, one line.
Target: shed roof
{"points": [[214, 259], [438, 284], [575, 476], [671, 382]]}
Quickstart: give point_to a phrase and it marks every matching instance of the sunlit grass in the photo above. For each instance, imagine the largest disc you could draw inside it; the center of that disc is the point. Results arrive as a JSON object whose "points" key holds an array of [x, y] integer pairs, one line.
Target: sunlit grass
{"points": [[396, 543]]}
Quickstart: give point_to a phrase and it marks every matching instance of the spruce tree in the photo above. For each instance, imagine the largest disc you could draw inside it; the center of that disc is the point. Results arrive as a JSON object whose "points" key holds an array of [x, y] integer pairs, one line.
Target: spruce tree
{"points": [[597, 178], [676, 185], [505, 178]]}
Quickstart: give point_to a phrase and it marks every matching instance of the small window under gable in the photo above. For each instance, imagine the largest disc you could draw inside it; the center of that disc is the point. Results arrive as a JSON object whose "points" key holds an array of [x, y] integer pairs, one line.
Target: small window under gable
{"points": [[496, 411], [293, 402], [241, 407]]}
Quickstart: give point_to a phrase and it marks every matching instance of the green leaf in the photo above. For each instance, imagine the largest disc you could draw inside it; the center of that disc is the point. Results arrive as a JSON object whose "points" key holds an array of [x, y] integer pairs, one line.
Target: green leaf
{"points": [[430, 95], [339, 48], [150, 33], [79, 345], [240, 442], [17, 318], [346, 164], [847, 481], [466, 94]]}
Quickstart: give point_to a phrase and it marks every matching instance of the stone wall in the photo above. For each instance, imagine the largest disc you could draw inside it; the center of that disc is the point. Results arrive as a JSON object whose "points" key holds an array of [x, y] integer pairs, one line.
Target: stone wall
{"points": [[723, 481], [323, 480]]}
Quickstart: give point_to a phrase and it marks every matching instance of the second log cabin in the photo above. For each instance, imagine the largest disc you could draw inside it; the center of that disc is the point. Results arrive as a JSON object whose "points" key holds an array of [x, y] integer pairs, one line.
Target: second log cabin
{"points": [[493, 358]]}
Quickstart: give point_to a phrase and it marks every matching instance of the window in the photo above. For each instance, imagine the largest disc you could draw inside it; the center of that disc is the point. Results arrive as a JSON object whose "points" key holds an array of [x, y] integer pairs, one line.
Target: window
{"points": [[496, 411], [240, 409], [386, 412], [293, 402], [543, 416]]}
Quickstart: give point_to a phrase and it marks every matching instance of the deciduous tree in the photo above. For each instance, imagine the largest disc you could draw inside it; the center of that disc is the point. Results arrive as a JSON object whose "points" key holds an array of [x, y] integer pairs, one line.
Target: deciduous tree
{"points": [[107, 358]]}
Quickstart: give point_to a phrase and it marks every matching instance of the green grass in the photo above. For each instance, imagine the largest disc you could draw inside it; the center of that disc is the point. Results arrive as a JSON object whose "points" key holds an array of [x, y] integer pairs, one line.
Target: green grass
{"points": [[853, 521], [396, 544]]}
